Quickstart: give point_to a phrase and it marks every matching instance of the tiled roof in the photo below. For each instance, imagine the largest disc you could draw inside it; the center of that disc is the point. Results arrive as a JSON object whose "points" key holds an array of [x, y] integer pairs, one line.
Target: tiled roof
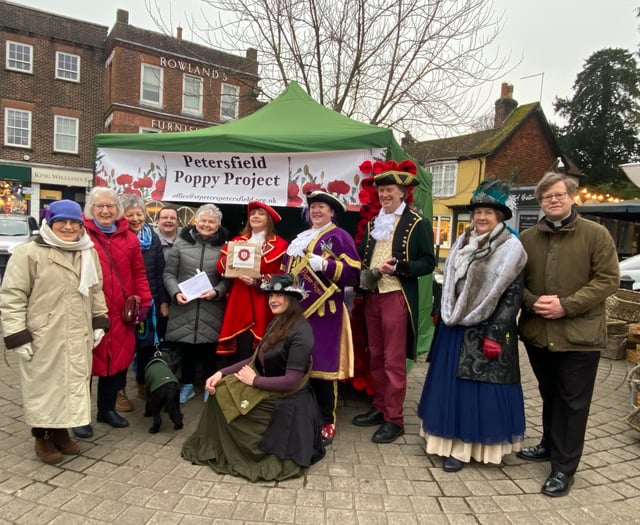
{"points": [[171, 45], [22, 19], [479, 144]]}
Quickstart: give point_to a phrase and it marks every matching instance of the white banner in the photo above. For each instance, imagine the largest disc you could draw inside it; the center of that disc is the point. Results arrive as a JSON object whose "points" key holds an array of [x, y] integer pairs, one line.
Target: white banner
{"points": [[279, 179]]}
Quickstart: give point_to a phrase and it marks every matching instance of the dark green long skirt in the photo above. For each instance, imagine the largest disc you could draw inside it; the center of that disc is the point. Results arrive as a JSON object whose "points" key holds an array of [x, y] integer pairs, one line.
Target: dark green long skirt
{"points": [[237, 448]]}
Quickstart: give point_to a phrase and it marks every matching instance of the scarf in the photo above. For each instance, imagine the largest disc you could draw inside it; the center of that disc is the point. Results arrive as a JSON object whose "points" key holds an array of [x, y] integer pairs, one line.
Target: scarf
{"points": [[88, 271], [144, 236], [472, 288], [383, 223], [299, 245], [107, 230]]}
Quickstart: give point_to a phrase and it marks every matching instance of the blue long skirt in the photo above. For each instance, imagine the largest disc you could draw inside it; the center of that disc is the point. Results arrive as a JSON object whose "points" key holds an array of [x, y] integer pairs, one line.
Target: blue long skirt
{"points": [[472, 411]]}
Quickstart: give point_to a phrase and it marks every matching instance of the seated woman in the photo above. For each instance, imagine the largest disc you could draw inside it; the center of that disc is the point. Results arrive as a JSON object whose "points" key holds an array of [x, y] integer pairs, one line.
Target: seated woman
{"points": [[262, 421]]}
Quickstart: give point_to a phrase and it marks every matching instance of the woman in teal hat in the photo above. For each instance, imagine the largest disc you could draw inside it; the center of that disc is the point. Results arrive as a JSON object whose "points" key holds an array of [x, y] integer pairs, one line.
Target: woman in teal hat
{"points": [[472, 405]]}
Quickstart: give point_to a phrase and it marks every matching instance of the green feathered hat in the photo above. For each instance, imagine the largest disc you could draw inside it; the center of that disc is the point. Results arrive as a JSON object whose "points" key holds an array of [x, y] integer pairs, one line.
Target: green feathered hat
{"points": [[493, 193]]}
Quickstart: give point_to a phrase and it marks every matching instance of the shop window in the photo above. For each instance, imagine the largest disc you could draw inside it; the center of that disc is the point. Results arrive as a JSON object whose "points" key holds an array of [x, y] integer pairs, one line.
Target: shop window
{"points": [[442, 230], [229, 102], [67, 67], [151, 85], [19, 57], [65, 134], [444, 178], [17, 128], [192, 95]]}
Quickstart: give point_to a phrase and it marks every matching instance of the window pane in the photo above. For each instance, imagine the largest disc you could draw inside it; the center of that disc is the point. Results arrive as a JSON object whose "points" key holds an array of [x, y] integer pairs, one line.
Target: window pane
{"points": [[229, 102], [66, 134], [192, 94], [68, 66], [151, 84], [444, 179], [19, 56], [17, 128]]}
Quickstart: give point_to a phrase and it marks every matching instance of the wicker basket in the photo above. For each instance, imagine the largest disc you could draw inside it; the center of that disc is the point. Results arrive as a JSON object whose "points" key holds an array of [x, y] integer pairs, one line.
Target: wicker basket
{"points": [[633, 379], [624, 305], [616, 347]]}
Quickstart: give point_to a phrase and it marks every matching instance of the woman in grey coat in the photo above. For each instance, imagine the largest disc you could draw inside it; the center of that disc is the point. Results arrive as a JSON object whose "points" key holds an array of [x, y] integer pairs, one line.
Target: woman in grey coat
{"points": [[194, 325]]}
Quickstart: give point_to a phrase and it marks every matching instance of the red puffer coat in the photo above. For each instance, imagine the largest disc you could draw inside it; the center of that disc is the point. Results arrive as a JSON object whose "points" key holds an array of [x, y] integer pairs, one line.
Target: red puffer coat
{"points": [[116, 350]]}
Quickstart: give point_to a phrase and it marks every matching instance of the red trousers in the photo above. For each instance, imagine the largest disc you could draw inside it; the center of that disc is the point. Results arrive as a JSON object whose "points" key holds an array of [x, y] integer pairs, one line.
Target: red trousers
{"points": [[387, 316]]}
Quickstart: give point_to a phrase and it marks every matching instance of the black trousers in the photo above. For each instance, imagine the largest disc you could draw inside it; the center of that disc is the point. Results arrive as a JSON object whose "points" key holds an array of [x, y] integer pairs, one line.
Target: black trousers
{"points": [[326, 393], [108, 387], [565, 381], [204, 353]]}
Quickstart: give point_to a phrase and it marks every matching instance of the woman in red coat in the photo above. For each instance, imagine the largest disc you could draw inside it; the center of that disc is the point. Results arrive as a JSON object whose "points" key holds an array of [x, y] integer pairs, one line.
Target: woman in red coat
{"points": [[247, 313], [123, 274]]}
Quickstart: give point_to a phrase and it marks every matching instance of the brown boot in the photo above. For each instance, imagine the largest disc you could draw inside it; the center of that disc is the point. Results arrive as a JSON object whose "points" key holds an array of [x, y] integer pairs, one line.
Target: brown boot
{"points": [[122, 402], [64, 443], [45, 448]]}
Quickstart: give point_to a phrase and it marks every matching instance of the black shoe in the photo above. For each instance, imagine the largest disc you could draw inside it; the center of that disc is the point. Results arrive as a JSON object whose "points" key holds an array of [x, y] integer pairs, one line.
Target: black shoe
{"points": [[370, 419], [537, 453], [452, 464], [84, 432], [387, 433], [111, 417], [557, 484]]}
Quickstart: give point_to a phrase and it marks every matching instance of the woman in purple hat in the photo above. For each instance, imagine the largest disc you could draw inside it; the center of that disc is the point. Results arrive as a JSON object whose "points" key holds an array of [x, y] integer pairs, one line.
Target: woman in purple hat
{"points": [[53, 315]]}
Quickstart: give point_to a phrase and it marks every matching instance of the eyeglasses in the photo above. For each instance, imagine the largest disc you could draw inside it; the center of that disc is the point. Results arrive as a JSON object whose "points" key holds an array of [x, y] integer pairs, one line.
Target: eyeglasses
{"points": [[557, 196], [107, 206]]}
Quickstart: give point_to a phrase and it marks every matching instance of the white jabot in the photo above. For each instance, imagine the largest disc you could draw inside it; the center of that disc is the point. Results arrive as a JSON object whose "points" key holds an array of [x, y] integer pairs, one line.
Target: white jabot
{"points": [[383, 223], [302, 241]]}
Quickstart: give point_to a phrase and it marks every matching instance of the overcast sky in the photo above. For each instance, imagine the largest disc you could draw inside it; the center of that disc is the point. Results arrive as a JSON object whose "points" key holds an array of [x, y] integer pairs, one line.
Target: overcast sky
{"points": [[550, 37]]}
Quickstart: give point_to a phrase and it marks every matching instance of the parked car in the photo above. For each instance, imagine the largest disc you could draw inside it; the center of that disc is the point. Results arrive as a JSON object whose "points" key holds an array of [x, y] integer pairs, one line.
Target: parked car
{"points": [[630, 268], [14, 230]]}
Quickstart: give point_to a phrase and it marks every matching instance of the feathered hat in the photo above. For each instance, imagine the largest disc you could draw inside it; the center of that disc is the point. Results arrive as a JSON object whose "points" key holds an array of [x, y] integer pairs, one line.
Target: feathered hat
{"points": [[493, 193]]}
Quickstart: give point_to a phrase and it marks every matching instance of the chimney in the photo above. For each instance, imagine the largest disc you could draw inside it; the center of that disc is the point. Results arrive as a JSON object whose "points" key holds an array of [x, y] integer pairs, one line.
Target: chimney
{"points": [[504, 105], [122, 16], [179, 33]]}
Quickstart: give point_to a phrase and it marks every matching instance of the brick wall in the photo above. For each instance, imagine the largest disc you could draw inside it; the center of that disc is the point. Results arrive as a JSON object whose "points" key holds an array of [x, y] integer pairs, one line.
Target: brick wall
{"points": [[528, 152], [48, 96]]}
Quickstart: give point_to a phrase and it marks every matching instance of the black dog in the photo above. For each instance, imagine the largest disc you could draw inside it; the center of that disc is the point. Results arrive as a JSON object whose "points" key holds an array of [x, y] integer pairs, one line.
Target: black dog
{"points": [[163, 391]]}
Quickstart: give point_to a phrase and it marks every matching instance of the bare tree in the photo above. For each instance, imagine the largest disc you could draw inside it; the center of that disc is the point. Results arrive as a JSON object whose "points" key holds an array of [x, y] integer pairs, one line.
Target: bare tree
{"points": [[405, 64]]}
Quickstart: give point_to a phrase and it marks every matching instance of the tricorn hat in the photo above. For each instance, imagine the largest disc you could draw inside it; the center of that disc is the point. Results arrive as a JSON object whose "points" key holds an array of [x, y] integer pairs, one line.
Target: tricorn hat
{"points": [[390, 172], [283, 283], [275, 216], [322, 196], [493, 193]]}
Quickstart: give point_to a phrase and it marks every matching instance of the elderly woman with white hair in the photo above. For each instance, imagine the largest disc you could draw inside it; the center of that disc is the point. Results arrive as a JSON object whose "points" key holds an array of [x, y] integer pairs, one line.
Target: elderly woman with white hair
{"points": [[194, 325], [123, 275]]}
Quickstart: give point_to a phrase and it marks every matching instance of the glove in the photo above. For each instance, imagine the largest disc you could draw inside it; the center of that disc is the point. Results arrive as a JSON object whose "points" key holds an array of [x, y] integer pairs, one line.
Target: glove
{"points": [[98, 334], [490, 348], [143, 311], [317, 263], [24, 351]]}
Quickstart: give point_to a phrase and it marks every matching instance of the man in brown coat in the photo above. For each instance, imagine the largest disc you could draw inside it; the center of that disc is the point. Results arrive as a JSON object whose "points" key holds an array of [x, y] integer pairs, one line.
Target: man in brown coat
{"points": [[572, 268]]}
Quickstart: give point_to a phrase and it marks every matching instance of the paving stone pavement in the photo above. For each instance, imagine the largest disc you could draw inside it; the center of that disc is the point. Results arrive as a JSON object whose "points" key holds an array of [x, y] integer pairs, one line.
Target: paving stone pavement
{"points": [[131, 476]]}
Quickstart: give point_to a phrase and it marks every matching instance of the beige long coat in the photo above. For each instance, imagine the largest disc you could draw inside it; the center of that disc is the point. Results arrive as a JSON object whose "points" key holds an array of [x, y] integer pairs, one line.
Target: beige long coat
{"points": [[40, 302]]}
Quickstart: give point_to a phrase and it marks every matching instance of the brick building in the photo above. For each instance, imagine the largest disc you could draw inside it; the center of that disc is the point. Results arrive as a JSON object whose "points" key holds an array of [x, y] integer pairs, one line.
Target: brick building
{"points": [[157, 82], [51, 77], [62, 81], [521, 146]]}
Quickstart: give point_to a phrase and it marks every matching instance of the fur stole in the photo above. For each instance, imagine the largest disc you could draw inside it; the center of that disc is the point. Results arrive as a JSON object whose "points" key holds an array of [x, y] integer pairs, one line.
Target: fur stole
{"points": [[491, 269]]}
